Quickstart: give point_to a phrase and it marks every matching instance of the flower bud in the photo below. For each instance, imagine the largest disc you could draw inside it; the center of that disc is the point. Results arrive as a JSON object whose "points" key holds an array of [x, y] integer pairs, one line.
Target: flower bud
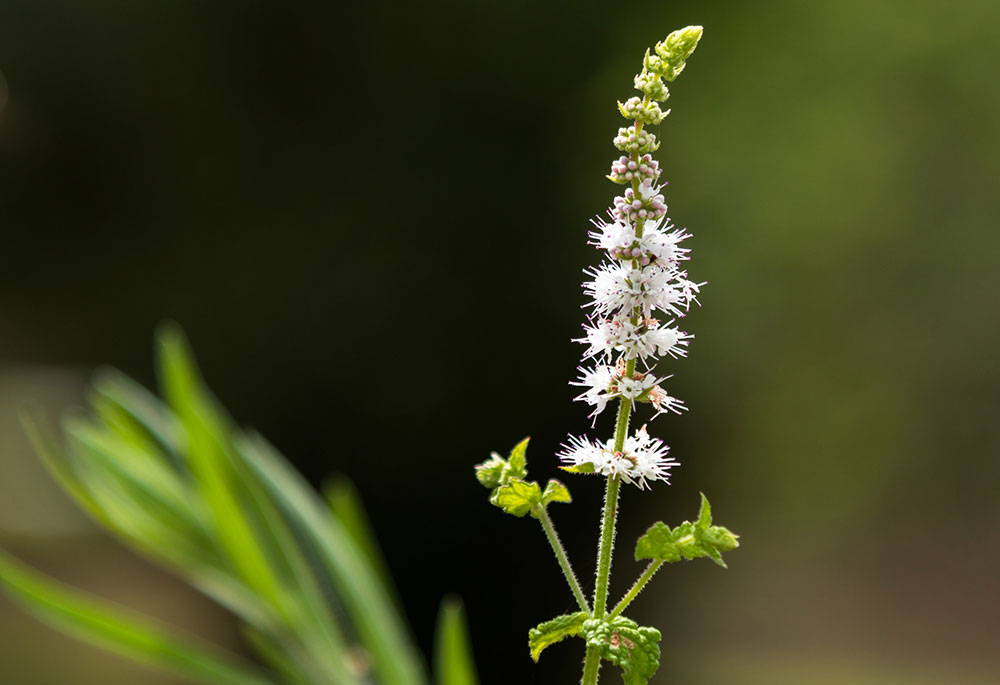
{"points": [[632, 141], [651, 85], [625, 170], [643, 111], [674, 51]]}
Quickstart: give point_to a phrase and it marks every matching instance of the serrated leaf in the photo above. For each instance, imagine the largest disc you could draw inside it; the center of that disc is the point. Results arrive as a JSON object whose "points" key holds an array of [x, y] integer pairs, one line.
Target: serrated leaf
{"points": [[555, 630], [688, 540], [585, 467], [722, 538], [490, 472], [518, 460], [704, 513], [555, 492], [517, 497], [633, 648], [657, 543]]}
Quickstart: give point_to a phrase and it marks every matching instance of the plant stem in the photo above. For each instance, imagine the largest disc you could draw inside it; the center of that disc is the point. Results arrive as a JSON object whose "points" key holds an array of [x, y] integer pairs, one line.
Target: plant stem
{"points": [[592, 661], [640, 583], [550, 532]]}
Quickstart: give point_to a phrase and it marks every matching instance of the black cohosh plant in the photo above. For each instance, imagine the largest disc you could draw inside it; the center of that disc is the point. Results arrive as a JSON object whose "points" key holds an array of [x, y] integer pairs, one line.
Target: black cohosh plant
{"points": [[636, 297]]}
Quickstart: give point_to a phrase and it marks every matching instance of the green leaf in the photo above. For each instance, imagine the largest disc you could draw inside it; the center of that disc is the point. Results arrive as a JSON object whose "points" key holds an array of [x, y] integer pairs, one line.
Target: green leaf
{"points": [[211, 464], [145, 409], [346, 507], [378, 624], [634, 649], [141, 473], [518, 460], [553, 631], [108, 507], [585, 467], [517, 497], [688, 540], [453, 661], [490, 472], [657, 543], [555, 492], [704, 513], [115, 629]]}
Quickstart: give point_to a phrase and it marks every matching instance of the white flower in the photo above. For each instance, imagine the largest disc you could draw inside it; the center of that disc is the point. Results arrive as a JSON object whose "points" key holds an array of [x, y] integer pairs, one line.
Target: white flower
{"points": [[631, 388], [642, 459], [662, 245], [609, 236], [643, 340], [663, 402], [648, 191], [600, 384], [611, 334], [622, 288], [666, 341]]}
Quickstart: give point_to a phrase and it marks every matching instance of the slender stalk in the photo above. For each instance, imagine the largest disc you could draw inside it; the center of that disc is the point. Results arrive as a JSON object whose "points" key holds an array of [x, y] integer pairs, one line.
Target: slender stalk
{"points": [[592, 661], [550, 532], [640, 583]]}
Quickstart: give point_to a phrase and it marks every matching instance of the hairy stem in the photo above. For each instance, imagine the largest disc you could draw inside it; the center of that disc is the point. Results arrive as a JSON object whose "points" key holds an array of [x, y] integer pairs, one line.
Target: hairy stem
{"points": [[550, 532], [592, 661], [640, 583]]}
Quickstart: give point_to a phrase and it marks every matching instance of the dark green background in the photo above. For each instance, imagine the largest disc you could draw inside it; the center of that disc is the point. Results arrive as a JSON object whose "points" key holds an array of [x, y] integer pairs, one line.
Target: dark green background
{"points": [[372, 219]]}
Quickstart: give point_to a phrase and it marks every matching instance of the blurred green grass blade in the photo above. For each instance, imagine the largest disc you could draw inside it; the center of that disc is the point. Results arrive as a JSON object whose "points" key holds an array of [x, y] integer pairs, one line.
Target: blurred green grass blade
{"points": [[153, 482], [123, 425], [175, 554], [277, 655], [310, 612], [117, 630], [142, 405], [207, 433], [60, 467], [453, 660], [345, 504], [381, 630]]}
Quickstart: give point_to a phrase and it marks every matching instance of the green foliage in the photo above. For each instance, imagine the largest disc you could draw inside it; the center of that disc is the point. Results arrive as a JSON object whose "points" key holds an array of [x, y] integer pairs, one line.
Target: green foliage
{"points": [[182, 484], [517, 497], [555, 491], [518, 461], [491, 472], [688, 540], [106, 625], [632, 648], [555, 630], [497, 471], [345, 504], [585, 467], [513, 494], [453, 662]]}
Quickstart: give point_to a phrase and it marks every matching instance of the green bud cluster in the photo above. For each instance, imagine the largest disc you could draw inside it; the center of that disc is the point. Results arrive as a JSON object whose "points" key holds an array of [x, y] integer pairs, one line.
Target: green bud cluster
{"points": [[673, 52], [633, 648], [651, 85], [642, 110], [636, 142], [667, 61]]}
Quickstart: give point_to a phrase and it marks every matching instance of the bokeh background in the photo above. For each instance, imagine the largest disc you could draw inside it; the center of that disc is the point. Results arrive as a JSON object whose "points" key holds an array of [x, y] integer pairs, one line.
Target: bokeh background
{"points": [[371, 221]]}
